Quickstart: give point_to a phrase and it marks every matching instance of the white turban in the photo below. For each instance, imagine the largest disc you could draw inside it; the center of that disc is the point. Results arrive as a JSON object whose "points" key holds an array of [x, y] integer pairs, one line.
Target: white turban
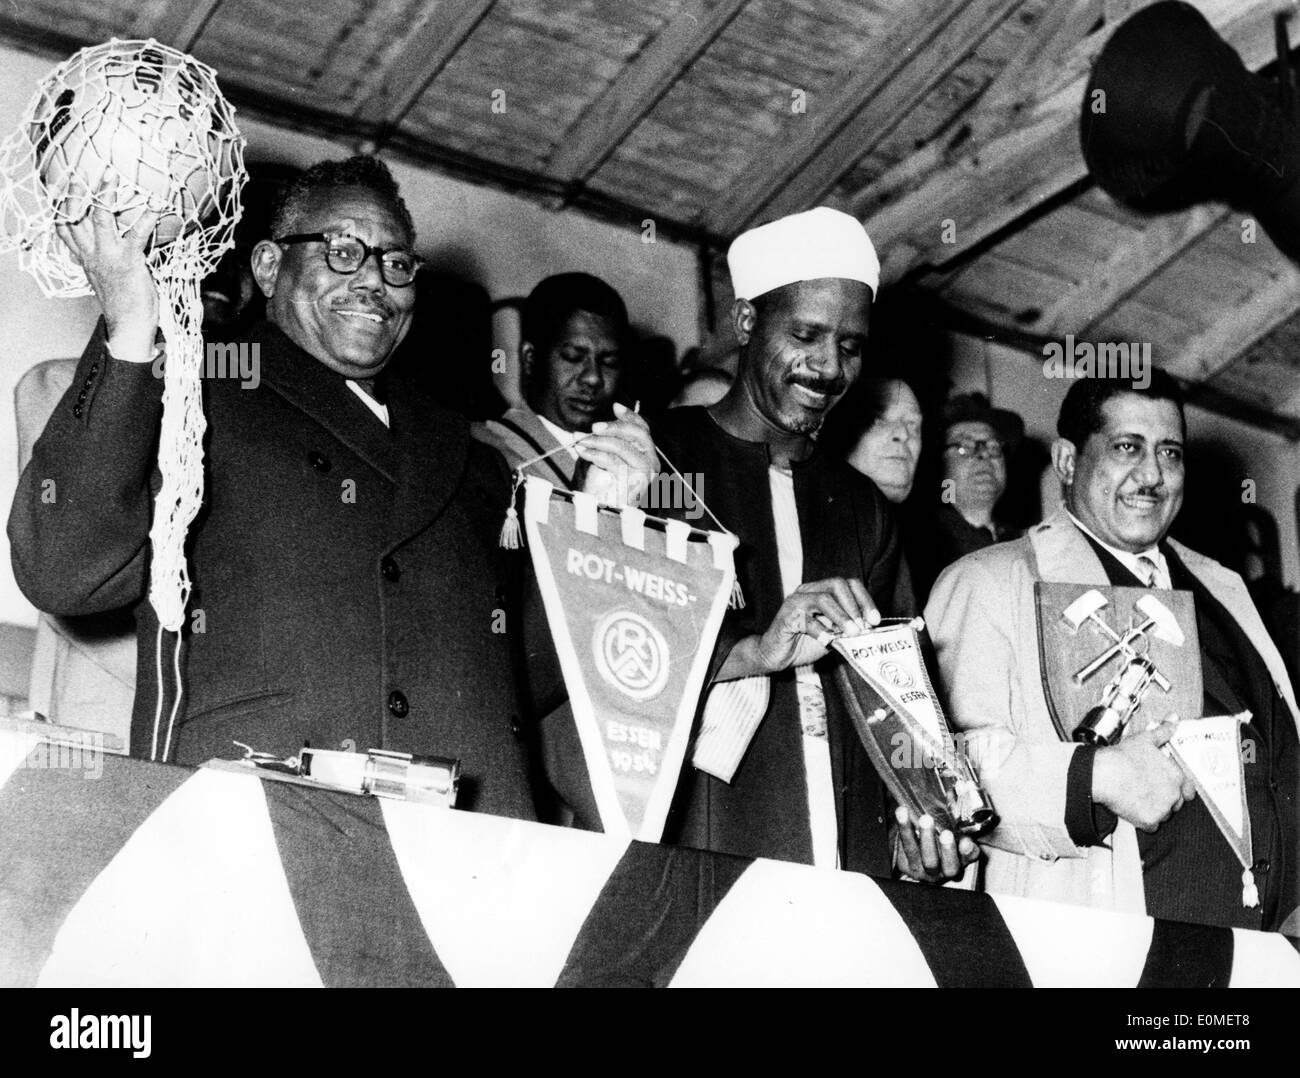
{"points": [[802, 247]]}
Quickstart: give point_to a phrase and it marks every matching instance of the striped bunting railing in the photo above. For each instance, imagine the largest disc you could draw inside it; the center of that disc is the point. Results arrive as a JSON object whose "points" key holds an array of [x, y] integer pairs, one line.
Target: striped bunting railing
{"points": [[130, 873]]}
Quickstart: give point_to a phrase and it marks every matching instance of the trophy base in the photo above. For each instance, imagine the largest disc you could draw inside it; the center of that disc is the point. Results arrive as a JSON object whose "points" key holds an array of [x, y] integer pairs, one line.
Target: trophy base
{"points": [[1102, 726], [977, 823]]}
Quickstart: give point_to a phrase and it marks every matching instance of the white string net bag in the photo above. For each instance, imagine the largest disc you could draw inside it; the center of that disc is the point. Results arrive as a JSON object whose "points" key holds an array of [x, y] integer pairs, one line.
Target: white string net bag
{"points": [[135, 127]]}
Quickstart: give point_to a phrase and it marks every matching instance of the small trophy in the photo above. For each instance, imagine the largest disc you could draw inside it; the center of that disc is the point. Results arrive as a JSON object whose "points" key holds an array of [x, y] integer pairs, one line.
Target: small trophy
{"points": [[1105, 723], [897, 715], [429, 780]]}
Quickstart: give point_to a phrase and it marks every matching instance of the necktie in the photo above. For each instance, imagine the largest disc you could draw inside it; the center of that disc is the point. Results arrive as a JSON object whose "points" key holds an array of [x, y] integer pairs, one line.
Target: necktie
{"points": [[1147, 570]]}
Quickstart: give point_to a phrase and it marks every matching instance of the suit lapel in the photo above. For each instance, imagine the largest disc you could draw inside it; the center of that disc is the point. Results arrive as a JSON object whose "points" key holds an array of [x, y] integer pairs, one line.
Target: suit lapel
{"points": [[1228, 588], [1062, 553], [323, 396], [537, 439], [423, 452], [432, 445]]}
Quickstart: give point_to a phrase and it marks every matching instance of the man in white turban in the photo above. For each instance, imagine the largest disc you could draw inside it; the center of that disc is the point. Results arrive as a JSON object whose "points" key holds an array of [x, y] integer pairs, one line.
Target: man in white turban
{"points": [[818, 547]]}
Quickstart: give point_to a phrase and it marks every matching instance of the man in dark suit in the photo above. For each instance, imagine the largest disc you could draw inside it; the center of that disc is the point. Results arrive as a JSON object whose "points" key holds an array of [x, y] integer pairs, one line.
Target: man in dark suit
{"points": [[347, 590], [575, 337], [575, 334]]}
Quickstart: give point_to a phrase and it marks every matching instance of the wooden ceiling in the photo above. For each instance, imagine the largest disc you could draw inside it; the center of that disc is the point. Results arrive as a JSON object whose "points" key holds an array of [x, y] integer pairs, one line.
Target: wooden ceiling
{"points": [[949, 126]]}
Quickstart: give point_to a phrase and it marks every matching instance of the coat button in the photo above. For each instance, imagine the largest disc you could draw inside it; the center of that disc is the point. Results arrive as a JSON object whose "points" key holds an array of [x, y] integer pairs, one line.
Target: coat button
{"points": [[77, 410], [94, 370], [397, 704], [319, 461], [81, 397], [391, 570], [516, 727]]}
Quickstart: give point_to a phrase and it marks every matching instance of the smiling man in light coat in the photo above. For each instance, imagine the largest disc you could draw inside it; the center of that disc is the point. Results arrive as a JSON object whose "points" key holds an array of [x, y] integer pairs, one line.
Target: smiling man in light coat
{"points": [[1119, 827]]}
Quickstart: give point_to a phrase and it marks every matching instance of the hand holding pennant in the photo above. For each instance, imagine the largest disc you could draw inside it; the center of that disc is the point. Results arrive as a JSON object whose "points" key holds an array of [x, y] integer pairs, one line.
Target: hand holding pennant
{"points": [[897, 715]]}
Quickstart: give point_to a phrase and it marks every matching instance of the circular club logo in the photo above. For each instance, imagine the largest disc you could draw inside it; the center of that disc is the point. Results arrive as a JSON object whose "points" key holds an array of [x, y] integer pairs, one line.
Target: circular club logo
{"points": [[896, 675], [631, 654]]}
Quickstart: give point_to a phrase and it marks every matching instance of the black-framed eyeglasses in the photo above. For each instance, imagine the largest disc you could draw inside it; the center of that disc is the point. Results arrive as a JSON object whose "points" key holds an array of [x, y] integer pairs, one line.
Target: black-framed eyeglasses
{"points": [[975, 447], [346, 254]]}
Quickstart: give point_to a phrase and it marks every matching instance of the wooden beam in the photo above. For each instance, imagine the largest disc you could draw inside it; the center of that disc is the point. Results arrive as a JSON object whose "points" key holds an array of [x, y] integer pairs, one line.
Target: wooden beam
{"points": [[423, 55], [1000, 104], [985, 182], [1117, 11], [1216, 347], [639, 87], [293, 115], [177, 23], [1058, 30], [899, 71], [979, 195], [959, 320], [1215, 400], [1085, 306]]}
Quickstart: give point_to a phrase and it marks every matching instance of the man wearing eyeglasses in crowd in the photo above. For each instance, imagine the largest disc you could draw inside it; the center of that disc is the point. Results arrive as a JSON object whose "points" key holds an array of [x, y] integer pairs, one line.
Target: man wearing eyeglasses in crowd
{"points": [[977, 440], [347, 590]]}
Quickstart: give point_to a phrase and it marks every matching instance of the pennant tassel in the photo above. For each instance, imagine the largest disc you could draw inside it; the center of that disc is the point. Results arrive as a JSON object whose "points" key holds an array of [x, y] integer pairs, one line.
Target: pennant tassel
{"points": [[511, 537], [1249, 892], [737, 601]]}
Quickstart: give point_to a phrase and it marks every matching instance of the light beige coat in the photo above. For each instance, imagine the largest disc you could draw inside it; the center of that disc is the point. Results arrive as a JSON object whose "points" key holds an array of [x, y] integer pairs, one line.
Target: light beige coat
{"points": [[982, 619]]}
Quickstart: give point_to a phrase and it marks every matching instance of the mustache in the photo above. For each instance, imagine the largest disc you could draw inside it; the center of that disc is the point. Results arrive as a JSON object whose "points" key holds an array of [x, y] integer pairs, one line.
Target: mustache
{"points": [[832, 387]]}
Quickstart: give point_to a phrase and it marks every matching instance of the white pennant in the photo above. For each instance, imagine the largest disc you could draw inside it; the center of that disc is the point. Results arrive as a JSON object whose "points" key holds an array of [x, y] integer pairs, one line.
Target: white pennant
{"points": [[1209, 752]]}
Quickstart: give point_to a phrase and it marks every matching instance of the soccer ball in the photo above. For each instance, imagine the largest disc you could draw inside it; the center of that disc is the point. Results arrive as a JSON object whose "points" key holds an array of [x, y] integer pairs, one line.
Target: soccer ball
{"points": [[143, 128]]}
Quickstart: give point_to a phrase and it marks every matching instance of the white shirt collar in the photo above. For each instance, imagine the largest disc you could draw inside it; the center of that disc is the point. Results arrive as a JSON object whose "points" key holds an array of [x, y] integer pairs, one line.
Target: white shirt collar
{"points": [[1128, 560], [566, 438], [380, 410]]}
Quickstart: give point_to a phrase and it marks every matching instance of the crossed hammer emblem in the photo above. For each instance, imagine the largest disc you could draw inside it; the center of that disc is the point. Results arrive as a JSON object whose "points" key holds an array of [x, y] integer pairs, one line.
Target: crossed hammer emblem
{"points": [[1104, 724], [1157, 619]]}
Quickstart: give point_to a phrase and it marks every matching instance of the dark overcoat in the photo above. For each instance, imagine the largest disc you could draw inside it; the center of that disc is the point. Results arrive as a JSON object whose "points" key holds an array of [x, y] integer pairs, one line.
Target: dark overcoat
{"points": [[348, 591]]}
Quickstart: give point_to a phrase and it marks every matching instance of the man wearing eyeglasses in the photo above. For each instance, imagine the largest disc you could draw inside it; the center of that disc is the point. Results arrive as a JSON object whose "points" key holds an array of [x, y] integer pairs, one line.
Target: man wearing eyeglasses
{"points": [[346, 585], [977, 440]]}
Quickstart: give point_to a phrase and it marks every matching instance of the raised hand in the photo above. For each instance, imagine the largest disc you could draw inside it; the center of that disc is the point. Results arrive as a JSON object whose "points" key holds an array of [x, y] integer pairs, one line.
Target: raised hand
{"points": [[622, 457], [115, 265]]}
